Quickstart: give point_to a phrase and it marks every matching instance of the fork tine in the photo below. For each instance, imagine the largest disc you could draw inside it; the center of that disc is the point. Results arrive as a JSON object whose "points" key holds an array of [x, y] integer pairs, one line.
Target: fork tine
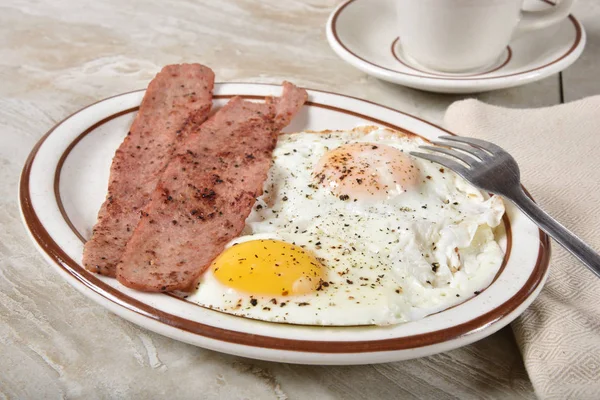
{"points": [[487, 146], [452, 153], [444, 161], [474, 151]]}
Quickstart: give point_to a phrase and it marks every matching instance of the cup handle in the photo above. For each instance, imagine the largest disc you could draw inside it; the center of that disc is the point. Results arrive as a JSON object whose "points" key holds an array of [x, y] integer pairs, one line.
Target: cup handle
{"points": [[532, 20]]}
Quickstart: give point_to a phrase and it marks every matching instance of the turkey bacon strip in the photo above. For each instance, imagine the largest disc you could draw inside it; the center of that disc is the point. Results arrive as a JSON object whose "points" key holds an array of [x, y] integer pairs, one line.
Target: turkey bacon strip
{"points": [[176, 102], [206, 193]]}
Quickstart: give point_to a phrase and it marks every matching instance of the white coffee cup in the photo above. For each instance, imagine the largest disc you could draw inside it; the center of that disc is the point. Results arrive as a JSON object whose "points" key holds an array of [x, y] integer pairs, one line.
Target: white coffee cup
{"points": [[466, 35]]}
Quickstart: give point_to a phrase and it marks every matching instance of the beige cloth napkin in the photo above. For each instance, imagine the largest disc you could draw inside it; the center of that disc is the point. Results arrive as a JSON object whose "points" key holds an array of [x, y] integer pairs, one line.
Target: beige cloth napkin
{"points": [[558, 151]]}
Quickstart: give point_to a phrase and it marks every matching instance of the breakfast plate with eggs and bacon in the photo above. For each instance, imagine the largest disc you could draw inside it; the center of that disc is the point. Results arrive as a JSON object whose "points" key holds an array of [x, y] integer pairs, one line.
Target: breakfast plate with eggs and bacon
{"points": [[276, 223]]}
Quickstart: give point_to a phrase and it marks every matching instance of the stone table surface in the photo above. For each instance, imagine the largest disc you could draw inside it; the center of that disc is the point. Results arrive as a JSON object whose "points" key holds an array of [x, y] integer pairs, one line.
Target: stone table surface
{"points": [[58, 56]]}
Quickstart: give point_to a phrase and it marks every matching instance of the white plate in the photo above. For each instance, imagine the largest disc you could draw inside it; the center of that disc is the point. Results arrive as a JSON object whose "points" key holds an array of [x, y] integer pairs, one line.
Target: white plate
{"points": [[64, 183], [362, 33]]}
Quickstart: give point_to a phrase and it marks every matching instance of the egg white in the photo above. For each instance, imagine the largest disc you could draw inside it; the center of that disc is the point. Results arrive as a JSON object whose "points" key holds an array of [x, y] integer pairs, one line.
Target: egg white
{"points": [[387, 261]]}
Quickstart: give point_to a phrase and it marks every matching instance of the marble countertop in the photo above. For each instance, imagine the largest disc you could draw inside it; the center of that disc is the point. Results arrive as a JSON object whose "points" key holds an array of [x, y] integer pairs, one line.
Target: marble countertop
{"points": [[58, 56]]}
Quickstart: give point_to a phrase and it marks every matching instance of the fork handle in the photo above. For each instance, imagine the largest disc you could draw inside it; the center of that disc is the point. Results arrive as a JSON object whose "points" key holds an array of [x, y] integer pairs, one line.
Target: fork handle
{"points": [[557, 231]]}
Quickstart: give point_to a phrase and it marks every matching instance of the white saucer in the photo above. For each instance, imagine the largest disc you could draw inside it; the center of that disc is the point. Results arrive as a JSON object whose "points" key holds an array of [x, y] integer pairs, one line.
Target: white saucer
{"points": [[362, 32]]}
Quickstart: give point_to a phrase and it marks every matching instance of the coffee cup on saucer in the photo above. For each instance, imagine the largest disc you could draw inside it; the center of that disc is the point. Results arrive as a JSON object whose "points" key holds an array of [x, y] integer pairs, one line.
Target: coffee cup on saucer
{"points": [[456, 46], [458, 36]]}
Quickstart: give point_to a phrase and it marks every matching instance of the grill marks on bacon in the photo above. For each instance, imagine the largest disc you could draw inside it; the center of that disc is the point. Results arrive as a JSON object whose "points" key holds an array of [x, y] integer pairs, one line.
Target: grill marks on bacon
{"points": [[206, 193], [177, 101]]}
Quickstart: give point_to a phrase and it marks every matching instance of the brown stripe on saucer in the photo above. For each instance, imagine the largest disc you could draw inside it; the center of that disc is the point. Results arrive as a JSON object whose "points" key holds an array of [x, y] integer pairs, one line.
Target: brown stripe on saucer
{"points": [[397, 57]]}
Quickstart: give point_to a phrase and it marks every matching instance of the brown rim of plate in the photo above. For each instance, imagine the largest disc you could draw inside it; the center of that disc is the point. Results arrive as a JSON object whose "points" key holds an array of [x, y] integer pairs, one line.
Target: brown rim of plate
{"points": [[71, 146], [578, 35], [91, 281], [399, 59]]}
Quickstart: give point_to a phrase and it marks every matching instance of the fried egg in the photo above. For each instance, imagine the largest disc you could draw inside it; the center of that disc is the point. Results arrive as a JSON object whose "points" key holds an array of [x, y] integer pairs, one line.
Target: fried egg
{"points": [[352, 230]]}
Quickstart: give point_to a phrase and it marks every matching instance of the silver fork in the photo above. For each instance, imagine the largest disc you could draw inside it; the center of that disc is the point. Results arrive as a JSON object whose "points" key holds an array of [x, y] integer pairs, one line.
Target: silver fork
{"points": [[492, 169]]}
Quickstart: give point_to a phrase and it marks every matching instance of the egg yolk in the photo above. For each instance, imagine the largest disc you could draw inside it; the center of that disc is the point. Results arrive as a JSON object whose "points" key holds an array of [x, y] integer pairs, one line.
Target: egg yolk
{"points": [[366, 171], [268, 267]]}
